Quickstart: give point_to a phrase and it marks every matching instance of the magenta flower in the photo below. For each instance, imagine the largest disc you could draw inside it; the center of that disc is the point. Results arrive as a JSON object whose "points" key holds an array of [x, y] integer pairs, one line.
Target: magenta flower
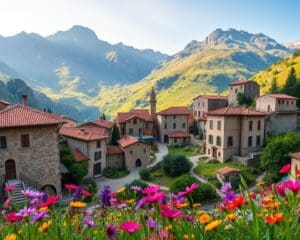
{"points": [[169, 213], [89, 223], [70, 186], [9, 188], [111, 231], [156, 197], [151, 190], [7, 202], [130, 226], [188, 190], [293, 186]]}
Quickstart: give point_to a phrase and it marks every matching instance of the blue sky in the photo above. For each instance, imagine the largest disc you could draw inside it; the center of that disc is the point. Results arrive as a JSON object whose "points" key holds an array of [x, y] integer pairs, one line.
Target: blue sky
{"points": [[165, 25]]}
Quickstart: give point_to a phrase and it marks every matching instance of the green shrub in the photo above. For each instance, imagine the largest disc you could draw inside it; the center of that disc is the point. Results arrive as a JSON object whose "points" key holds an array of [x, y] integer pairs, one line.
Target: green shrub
{"points": [[109, 172], [235, 182], [145, 174], [297, 53], [175, 165], [79, 170], [131, 194]]}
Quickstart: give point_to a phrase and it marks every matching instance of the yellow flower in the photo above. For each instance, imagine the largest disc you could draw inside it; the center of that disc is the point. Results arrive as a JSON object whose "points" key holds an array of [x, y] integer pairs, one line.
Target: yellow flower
{"points": [[200, 212], [78, 204], [211, 226], [11, 236], [130, 201], [186, 237], [181, 205], [121, 190], [204, 218], [231, 217], [45, 226], [196, 205]]}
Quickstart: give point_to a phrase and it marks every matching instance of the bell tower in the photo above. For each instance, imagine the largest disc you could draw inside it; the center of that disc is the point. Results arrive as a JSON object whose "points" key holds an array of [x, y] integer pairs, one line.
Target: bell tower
{"points": [[153, 103]]}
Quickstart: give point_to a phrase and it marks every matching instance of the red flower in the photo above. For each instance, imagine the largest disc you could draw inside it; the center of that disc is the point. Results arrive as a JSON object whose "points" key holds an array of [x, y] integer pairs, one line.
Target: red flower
{"points": [[169, 213], [285, 169], [9, 188], [12, 217], [70, 186], [130, 226], [85, 193], [50, 201], [298, 172], [276, 218]]}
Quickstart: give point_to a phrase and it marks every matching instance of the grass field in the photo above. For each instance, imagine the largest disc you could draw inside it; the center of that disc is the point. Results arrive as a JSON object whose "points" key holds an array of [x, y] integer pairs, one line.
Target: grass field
{"points": [[188, 151]]}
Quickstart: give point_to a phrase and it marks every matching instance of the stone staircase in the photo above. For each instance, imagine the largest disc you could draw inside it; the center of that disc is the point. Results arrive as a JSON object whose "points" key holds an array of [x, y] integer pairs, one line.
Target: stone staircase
{"points": [[17, 195]]}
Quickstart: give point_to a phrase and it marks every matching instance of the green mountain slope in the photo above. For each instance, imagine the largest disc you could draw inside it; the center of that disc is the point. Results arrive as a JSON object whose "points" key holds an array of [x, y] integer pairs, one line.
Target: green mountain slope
{"points": [[201, 67], [278, 70]]}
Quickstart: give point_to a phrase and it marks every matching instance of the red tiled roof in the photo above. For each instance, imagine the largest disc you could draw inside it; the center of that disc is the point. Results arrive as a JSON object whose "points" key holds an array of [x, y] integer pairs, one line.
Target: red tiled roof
{"points": [[227, 170], [295, 155], [127, 141], [112, 150], [143, 114], [104, 123], [279, 96], [4, 102], [178, 134], [235, 111], [241, 81], [20, 115], [176, 111], [78, 155], [213, 97], [85, 133]]}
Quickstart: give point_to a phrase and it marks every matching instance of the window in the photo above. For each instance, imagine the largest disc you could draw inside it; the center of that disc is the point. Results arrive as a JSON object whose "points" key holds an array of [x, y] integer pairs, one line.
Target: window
{"points": [[134, 121], [25, 140], [166, 125], [99, 155], [3, 143], [218, 141], [250, 125], [278, 101], [210, 139], [203, 104], [195, 113], [98, 144], [258, 125], [250, 141], [166, 116], [145, 150], [140, 131], [174, 116], [96, 156], [199, 113], [131, 152], [208, 151], [146, 125], [236, 90], [130, 131], [175, 140], [211, 124], [258, 140], [174, 125], [183, 125], [229, 141], [219, 125]]}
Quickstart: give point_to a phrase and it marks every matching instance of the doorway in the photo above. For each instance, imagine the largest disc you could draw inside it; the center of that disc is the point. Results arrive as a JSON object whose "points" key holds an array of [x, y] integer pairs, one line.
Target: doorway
{"points": [[97, 169], [138, 163], [10, 169], [214, 152], [166, 139]]}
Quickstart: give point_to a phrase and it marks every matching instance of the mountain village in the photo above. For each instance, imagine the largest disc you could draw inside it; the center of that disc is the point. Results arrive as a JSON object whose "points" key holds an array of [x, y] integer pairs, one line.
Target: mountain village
{"points": [[31, 139]]}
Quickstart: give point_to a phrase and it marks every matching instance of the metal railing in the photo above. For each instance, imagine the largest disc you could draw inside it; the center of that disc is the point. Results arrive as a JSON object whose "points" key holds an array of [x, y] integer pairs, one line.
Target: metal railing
{"points": [[30, 182]]}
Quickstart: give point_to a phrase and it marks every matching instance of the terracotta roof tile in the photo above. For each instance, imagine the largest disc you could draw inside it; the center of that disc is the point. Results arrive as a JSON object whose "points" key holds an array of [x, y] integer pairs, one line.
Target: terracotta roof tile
{"points": [[143, 114], [85, 133], [235, 111], [241, 81], [78, 155], [127, 141], [19, 116], [112, 150], [4, 102], [178, 134], [213, 97], [176, 111], [227, 170], [279, 96], [104, 123]]}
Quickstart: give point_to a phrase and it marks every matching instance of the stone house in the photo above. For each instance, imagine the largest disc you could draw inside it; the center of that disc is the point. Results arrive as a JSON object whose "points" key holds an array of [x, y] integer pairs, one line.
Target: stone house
{"points": [[205, 103], [29, 147], [295, 165], [174, 121], [90, 141], [227, 174], [233, 131], [281, 110], [137, 153], [115, 157], [248, 88]]}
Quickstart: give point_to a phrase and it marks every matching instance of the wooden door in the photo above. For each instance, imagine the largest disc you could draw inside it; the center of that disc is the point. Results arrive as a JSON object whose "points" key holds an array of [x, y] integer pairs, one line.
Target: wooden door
{"points": [[97, 169], [10, 169]]}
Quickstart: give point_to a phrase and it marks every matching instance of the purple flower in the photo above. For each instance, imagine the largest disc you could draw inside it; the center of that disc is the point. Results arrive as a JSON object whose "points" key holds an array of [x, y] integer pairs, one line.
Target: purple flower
{"points": [[77, 195], [172, 195], [229, 196], [111, 231], [139, 204], [89, 223], [32, 194], [226, 187], [39, 216], [121, 206], [136, 188], [152, 224], [105, 197], [26, 212]]}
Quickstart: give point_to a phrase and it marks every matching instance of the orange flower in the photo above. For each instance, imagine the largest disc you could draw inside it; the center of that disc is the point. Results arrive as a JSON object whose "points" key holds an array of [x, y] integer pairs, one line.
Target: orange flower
{"points": [[231, 217], [276, 218], [204, 218], [298, 172]]}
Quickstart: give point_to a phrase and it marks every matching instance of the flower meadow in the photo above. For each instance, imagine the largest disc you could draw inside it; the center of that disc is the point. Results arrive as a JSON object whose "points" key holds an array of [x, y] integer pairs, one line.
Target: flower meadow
{"points": [[269, 213]]}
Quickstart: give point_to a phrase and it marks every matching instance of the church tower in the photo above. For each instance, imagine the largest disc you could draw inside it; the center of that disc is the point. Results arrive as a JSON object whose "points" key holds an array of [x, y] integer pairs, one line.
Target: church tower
{"points": [[153, 103]]}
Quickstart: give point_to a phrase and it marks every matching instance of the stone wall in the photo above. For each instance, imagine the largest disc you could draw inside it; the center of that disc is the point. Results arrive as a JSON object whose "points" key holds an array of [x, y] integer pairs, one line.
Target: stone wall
{"points": [[137, 151], [115, 161]]}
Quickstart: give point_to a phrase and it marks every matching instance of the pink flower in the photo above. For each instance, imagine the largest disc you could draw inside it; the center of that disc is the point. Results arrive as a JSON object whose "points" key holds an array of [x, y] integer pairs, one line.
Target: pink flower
{"points": [[169, 213], [10, 188], [188, 190], [294, 186], [151, 190], [70, 186], [130, 226], [156, 197], [12, 217], [285, 169], [7, 202]]}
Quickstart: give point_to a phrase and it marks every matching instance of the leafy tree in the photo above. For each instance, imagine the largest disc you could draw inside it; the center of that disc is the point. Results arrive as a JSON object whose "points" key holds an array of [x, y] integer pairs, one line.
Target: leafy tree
{"points": [[276, 154], [244, 101], [175, 164], [291, 83], [274, 87], [115, 136], [145, 174], [103, 116], [297, 53]]}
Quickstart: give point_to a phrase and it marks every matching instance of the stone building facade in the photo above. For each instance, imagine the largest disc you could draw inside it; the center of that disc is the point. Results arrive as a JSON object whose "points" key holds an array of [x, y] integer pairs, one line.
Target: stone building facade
{"points": [[281, 109], [115, 157], [233, 131], [248, 88], [295, 165]]}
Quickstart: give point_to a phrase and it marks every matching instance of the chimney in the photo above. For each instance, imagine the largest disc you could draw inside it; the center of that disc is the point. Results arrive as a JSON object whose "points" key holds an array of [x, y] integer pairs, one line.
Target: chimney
{"points": [[24, 100]]}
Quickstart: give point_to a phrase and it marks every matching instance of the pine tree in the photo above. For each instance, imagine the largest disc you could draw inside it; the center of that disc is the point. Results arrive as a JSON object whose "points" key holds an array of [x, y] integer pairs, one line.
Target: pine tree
{"points": [[115, 136], [103, 116], [274, 87], [291, 83]]}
